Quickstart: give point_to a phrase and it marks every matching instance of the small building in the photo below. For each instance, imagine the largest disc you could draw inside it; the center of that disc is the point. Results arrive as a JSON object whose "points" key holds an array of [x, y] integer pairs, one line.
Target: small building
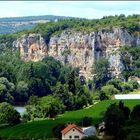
{"points": [[89, 131], [74, 132]]}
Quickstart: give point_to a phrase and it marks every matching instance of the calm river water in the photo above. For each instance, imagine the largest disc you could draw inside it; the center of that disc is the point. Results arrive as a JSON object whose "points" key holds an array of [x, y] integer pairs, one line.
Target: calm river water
{"points": [[20, 109]]}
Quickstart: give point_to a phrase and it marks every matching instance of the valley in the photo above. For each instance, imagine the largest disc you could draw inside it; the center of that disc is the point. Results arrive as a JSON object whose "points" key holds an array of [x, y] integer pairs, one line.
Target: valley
{"points": [[60, 67]]}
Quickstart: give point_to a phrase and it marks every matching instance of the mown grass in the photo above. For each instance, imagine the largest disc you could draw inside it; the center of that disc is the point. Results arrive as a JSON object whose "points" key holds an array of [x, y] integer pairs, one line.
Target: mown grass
{"points": [[43, 128]]}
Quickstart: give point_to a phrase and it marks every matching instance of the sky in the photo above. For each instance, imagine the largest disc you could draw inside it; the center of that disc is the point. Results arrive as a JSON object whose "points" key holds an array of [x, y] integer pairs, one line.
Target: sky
{"points": [[84, 9]]}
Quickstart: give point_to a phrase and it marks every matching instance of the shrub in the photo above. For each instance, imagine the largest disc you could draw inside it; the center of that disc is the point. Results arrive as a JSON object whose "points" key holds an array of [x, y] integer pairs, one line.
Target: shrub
{"points": [[86, 121]]}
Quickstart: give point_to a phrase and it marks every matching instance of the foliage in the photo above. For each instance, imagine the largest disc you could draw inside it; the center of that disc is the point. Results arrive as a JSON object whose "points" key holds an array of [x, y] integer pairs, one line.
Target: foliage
{"points": [[129, 23], [114, 119], [130, 58], [85, 121], [57, 130], [121, 86], [51, 106], [109, 90], [37, 129], [62, 92], [117, 83], [22, 90], [6, 90], [135, 114], [134, 83], [128, 128], [126, 87], [101, 72], [8, 114], [90, 138], [71, 82], [48, 106]]}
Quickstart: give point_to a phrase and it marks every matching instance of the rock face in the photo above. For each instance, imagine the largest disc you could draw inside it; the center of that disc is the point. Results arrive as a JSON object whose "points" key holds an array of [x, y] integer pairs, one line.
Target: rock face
{"points": [[31, 47], [79, 49]]}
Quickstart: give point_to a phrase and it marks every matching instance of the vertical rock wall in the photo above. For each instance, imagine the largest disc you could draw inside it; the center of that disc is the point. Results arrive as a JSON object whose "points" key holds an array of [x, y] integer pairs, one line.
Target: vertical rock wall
{"points": [[79, 49]]}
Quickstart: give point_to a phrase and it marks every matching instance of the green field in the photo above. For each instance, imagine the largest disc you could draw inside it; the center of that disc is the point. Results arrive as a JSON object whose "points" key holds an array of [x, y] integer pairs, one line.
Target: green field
{"points": [[43, 128]]}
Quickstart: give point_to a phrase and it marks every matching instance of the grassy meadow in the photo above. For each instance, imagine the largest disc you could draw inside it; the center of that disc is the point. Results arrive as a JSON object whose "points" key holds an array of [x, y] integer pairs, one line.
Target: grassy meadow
{"points": [[43, 128]]}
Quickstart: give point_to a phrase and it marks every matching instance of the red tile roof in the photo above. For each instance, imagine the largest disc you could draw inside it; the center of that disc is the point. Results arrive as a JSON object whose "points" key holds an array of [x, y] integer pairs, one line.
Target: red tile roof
{"points": [[69, 127]]}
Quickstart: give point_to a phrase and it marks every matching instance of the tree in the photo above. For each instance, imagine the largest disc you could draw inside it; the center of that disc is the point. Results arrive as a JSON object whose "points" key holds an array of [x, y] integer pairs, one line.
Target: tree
{"points": [[57, 130], [31, 71], [62, 92], [125, 109], [8, 114], [101, 72], [114, 119], [38, 87], [135, 114], [103, 96], [117, 83], [85, 121], [126, 87], [71, 82], [90, 138], [6, 90], [22, 90], [32, 109], [109, 90], [51, 106], [134, 83]]}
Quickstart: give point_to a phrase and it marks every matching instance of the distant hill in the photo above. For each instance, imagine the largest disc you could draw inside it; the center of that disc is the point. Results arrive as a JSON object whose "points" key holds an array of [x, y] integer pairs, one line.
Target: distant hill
{"points": [[14, 24]]}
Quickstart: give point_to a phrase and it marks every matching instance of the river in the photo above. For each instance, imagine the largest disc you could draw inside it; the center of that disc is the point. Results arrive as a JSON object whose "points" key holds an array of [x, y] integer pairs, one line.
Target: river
{"points": [[20, 109]]}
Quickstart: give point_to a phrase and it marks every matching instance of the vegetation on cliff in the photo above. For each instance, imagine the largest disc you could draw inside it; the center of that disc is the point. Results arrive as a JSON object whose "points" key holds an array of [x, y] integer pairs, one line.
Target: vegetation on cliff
{"points": [[131, 60], [105, 24]]}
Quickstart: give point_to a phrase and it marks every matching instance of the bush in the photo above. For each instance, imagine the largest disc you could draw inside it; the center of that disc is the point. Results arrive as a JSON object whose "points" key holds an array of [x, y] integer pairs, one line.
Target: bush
{"points": [[26, 118], [57, 130], [8, 114], [126, 88], [86, 121], [135, 114], [134, 83], [109, 90], [90, 138]]}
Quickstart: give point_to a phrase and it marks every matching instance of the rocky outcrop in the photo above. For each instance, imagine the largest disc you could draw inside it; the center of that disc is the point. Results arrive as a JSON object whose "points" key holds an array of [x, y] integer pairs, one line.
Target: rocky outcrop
{"points": [[79, 49], [31, 47]]}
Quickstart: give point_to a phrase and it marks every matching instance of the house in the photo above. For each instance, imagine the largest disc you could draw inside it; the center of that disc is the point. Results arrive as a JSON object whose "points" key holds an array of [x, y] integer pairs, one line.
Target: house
{"points": [[74, 132], [89, 131]]}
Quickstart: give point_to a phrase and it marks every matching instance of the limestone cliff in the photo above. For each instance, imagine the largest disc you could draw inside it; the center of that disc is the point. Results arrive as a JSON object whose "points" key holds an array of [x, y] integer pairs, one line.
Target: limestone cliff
{"points": [[79, 49], [31, 47]]}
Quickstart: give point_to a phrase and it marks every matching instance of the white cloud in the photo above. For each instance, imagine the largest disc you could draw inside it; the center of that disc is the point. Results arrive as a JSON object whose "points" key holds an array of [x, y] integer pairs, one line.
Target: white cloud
{"points": [[86, 9]]}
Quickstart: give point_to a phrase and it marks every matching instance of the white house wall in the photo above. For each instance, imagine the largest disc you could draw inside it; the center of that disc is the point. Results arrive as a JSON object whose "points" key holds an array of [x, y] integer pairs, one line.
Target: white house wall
{"points": [[72, 134]]}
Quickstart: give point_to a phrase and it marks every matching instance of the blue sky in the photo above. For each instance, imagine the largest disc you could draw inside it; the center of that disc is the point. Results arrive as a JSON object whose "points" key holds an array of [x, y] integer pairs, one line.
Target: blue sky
{"points": [[85, 9]]}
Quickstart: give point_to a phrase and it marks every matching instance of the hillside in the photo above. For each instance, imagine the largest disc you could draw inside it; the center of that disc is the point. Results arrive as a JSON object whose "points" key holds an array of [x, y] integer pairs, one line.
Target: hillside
{"points": [[43, 128], [14, 24], [78, 42], [81, 42]]}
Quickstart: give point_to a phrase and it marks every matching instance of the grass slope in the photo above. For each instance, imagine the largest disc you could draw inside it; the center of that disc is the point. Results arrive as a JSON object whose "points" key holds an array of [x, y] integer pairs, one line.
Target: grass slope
{"points": [[43, 128]]}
